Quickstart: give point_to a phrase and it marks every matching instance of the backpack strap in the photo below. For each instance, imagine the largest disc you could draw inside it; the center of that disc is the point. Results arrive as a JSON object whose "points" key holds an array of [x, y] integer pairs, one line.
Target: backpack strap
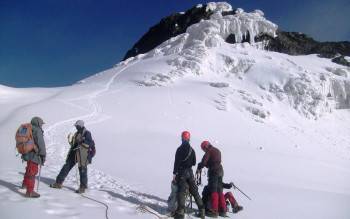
{"points": [[188, 155]]}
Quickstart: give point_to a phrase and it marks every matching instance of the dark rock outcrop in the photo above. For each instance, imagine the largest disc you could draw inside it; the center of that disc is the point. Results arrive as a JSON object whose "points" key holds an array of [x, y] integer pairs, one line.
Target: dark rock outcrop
{"points": [[167, 28], [294, 43], [341, 60]]}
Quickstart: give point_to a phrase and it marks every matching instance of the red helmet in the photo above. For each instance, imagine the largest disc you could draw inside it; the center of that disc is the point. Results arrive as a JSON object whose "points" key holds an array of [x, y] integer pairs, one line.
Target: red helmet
{"points": [[185, 135], [205, 145]]}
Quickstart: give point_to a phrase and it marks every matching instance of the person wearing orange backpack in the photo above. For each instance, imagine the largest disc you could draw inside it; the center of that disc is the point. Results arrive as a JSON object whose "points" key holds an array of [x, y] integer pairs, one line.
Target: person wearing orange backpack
{"points": [[34, 157]]}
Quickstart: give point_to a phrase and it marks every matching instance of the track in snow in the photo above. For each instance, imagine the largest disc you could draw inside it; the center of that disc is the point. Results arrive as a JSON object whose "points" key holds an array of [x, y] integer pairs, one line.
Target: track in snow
{"points": [[102, 187]]}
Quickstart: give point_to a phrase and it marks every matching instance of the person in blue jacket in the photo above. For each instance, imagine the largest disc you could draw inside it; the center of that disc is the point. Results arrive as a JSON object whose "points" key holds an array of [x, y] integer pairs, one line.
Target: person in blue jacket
{"points": [[78, 153]]}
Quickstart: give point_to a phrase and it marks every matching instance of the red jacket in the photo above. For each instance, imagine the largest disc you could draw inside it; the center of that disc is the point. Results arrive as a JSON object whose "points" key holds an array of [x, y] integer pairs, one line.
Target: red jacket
{"points": [[211, 159]]}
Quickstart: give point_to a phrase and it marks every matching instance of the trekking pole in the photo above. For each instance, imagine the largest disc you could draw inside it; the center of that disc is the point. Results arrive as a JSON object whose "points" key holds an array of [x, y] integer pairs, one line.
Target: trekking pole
{"points": [[77, 169], [39, 178], [235, 187], [191, 201], [199, 178]]}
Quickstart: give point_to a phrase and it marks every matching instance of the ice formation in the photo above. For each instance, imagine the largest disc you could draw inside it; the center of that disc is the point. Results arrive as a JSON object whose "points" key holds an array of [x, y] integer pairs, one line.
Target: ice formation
{"points": [[202, 51], [192, 46]]}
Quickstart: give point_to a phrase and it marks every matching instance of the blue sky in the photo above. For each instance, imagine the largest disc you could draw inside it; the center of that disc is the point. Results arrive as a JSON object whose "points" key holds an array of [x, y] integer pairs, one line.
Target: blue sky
{"points": [[58, 42]]}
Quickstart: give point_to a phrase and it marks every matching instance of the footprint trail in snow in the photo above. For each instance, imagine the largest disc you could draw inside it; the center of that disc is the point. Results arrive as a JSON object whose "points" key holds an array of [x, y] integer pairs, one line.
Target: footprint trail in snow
{"points": [[102, 187]]}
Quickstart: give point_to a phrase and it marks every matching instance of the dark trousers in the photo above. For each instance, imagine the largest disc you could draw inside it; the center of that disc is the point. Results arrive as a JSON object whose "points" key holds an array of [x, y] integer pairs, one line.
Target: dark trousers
{"points": [[215, 180], [70, 163], [186, 181], [206, 197]]}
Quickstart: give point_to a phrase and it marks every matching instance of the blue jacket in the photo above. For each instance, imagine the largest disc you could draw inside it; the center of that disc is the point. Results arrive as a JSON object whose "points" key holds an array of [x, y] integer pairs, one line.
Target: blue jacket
{"points": [[82, 140]]}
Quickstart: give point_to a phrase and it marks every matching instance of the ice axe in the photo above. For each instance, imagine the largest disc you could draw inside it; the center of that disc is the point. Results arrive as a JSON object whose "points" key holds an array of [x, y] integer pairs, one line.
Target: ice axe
{"points": [[39, 177], [235, 187]]}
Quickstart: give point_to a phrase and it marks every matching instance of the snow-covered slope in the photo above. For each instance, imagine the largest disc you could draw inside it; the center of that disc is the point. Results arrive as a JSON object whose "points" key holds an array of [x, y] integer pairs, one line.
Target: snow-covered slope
{"points": [[281, 122]]}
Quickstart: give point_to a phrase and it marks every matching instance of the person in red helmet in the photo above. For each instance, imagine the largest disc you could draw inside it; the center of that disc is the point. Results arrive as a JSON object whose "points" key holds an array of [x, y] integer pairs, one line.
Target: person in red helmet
{"points": [[183, 177], [212, 160]]}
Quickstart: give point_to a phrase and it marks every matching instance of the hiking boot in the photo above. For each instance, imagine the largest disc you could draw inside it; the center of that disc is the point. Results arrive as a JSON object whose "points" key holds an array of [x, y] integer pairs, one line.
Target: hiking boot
{"points": [[56, 185], [212, 213], [172, 214], [32, 195], [236, 209], [179, 216], [81, 190], [223, 214], [200, 213]]}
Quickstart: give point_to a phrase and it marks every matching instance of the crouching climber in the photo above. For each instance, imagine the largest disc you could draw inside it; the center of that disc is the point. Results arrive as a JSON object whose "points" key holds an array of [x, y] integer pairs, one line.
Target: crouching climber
{"points": [[229, 198]]}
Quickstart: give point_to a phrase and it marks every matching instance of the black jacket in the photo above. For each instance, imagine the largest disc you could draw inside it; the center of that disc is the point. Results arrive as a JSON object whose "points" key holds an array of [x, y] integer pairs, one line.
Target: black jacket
{"points": [[185, 158]]}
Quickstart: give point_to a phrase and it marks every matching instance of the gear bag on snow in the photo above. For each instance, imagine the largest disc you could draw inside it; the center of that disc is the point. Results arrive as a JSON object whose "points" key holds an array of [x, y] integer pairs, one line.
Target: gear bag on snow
{"points": [[172, 200], [24, 139]]}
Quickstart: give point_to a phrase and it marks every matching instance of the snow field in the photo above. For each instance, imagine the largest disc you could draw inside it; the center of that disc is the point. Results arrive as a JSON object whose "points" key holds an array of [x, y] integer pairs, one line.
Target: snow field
{"points": [[284, 141]]}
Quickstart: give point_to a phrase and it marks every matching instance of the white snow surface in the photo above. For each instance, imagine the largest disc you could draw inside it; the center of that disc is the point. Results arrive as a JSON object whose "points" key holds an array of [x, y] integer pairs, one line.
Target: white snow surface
{"points": [[281, 122]]}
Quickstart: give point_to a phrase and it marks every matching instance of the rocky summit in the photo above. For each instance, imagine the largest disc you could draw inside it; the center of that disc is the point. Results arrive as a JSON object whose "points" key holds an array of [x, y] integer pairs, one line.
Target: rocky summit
{"points": [[292, 43]]}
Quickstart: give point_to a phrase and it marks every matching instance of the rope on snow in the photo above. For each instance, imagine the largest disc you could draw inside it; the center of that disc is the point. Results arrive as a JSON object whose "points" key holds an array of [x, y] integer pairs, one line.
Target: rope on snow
{"points": [[102, 203], [92, 199]]}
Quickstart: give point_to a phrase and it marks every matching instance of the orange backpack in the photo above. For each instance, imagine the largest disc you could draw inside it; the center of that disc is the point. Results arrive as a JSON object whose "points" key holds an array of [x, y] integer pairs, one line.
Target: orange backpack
{"points": [[24, 139]]}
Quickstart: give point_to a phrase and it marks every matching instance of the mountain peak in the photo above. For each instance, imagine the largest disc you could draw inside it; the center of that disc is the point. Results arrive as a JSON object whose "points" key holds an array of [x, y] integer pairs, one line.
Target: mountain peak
{"points": [[249, 30], [178, 23]]}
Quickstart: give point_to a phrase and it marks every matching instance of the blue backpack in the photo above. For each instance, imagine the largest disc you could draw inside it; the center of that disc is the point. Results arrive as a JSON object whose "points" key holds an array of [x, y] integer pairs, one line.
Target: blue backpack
{"points": [[91, 151]]}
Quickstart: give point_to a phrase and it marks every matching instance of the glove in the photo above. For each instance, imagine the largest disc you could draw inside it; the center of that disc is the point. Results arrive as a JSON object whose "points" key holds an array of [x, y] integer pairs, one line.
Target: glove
{"points": [[43, 159], [232, 185], [200, 166], [79, 139]]}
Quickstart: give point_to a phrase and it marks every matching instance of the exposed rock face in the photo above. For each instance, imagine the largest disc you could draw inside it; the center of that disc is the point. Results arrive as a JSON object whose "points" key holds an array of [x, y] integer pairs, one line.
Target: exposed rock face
{"points": [[293, 43], [341, 60], [167, 28]]}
